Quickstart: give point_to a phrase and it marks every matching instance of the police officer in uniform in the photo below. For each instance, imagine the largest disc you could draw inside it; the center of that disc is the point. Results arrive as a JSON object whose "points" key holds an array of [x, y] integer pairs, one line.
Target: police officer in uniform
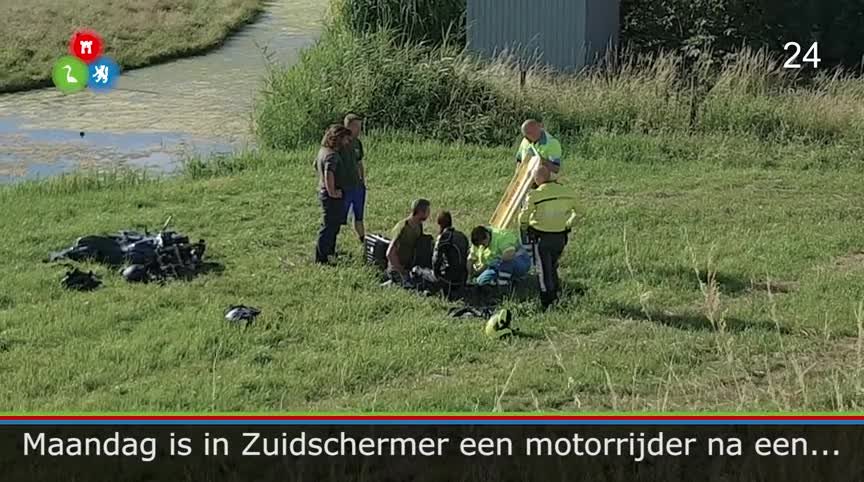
{"points": [[546, 220]]}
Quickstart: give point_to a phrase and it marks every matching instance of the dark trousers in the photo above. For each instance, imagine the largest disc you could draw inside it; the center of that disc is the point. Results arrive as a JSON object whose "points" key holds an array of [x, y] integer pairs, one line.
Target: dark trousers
{"points": [[333, 212], [548, 248]]}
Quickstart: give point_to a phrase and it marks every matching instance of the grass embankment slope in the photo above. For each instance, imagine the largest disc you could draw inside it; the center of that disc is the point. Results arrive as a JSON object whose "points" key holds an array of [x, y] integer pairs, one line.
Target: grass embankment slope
{"points": [[781, 240], [720, 251], [136, 33]]}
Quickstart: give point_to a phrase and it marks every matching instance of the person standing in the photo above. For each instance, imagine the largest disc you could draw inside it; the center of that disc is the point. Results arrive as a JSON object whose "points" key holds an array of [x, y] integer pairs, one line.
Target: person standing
{"points": [[330, 193], [546, 220], [355, 175], [405, 236], [537, 142]]}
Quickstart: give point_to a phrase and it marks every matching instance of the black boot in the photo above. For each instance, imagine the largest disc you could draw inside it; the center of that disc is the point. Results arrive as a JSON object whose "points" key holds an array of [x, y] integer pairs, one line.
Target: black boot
{"points": [[547, 300]]}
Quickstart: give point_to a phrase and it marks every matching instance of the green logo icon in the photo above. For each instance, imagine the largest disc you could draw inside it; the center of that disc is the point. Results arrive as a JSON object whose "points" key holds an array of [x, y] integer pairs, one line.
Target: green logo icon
{"points": [[70, 74]]}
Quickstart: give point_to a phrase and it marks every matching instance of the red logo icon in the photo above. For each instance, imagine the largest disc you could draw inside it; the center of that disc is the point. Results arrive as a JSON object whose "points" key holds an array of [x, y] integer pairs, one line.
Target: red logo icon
{"points": [[86, 45]]}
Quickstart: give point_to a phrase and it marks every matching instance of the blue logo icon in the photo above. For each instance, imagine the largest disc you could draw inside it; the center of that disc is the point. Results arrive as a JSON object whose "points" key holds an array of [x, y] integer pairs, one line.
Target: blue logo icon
{"points": [[103, 74]]}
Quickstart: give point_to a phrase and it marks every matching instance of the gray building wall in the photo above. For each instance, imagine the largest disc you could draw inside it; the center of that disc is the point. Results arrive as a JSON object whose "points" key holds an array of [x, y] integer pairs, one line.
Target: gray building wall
{"points": [[603, 24], [559, 33]]}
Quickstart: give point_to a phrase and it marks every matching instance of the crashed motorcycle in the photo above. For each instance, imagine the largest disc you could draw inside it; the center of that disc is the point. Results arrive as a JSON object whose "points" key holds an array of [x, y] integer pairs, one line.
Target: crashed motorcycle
{"points": [[144, 257]]}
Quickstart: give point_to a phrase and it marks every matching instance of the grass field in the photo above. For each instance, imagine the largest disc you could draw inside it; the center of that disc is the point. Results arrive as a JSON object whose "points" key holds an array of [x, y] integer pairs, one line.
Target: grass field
{"points": [[136, 33], [771, 322]]}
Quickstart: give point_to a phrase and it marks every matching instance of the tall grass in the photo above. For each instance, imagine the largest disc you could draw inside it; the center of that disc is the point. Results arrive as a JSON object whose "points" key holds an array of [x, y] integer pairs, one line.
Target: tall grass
{"points": [[434, 22], [436, 92], [756, 94], [445, 93], [751, 95], [83, 181]]}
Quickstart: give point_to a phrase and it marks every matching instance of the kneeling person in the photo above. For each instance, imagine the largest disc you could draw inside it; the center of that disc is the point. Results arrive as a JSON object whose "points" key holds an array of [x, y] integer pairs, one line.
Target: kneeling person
{"points": [[547, 217], [450, 259], [405, 236], [498, 256]]}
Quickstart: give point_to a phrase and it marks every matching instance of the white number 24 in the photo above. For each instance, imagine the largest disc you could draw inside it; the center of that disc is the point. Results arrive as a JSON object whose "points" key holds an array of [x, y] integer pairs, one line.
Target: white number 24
{"points": [[812, 55]]}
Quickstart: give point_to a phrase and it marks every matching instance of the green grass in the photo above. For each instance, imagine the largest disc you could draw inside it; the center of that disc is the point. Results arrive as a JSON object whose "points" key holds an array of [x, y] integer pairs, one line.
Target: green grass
{"points": [[446, 94], [414, 21], [721, 249], [647, 335], [433, 92], [136, 33]]}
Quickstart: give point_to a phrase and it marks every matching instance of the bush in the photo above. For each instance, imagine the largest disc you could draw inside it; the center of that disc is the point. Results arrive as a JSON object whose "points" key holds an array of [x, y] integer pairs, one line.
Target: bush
{"points": [[723, 27], [443, 93], [688, 27], [434, 22], [438, 93]]}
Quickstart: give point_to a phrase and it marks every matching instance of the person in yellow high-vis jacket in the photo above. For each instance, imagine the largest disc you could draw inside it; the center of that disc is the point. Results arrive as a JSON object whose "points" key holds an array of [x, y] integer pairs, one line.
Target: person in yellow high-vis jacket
{"points": [[497, 256], [546, 220], [537, 142]]}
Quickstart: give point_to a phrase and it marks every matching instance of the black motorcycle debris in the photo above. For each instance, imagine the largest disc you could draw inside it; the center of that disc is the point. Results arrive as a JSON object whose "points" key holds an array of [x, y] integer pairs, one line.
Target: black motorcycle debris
{"points": [[144, 257], [77, 280], [240, 314]]}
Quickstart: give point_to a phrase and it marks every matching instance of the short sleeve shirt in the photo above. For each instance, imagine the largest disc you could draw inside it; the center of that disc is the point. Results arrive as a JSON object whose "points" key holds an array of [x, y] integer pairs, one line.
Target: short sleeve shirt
{"points": [[328, 160], [406, 236], [501, 241], [547, 146], [349, 172]]}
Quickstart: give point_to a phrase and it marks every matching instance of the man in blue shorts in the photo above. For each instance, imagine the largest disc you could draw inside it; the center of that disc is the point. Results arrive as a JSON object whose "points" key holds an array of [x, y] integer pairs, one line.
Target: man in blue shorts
{"points": [[355, 176]]}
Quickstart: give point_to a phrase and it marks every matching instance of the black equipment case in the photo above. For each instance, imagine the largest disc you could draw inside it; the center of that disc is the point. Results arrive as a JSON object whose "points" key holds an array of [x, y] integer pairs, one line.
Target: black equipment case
{"points": [[376, 250]]}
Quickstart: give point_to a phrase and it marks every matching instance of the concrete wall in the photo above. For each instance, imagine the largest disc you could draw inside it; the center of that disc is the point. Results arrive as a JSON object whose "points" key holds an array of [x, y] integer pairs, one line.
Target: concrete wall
{"points": [[559, 33]]}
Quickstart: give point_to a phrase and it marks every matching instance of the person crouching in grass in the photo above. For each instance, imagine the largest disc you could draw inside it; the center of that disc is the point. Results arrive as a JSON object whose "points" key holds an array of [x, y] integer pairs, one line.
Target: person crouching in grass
{"points": [[330, 182], [450, 257], [498, 256], [354, 195], [405, 236]]}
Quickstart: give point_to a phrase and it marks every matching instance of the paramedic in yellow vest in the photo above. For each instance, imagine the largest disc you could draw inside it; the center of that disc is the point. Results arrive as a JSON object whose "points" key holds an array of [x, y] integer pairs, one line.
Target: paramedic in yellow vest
{"points": [[546, 219], [497, 256], [538, 142]]}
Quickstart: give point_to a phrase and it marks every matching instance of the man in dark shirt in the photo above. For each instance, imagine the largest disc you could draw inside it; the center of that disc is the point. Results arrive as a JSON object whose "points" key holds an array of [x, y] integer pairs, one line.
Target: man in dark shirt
{"points": [[450, 259], [405, 237], [330, 192], [355, 175]]}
